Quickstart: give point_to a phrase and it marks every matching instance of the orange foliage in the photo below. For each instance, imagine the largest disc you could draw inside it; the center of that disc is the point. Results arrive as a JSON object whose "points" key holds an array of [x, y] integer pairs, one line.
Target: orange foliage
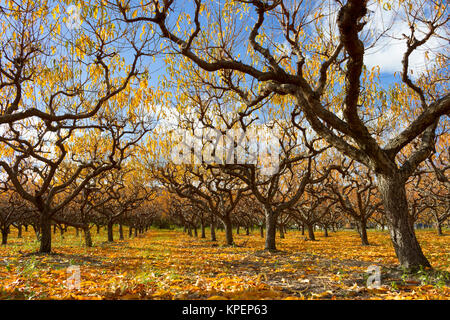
{"points": [[162, 264]]}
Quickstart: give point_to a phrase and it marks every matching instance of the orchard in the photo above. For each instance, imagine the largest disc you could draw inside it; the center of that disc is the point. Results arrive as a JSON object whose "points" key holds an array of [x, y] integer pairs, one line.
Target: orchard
{"points": [[203, 149]]}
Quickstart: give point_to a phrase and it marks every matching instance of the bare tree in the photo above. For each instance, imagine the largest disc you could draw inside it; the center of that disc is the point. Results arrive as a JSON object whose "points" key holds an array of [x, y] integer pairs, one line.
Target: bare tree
{"points": [[358, 199], [307, 85]]}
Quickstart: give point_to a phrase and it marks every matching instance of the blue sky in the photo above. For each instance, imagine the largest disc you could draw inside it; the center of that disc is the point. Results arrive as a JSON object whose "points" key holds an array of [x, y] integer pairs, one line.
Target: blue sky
{"points": [[387, 54]]}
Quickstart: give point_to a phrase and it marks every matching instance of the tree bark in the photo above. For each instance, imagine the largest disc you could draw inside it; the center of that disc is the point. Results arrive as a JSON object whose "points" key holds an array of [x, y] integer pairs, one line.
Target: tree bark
{"points": [[311, 235], [281, 228], [203, 235], [19, 231], [271, 229], [87, 236], [4, 236], [228, 230], [362, 230], [37, 232], [439, 228], [406, 246], [121, 232], [110, 232], [213, 231], [46, 233]]}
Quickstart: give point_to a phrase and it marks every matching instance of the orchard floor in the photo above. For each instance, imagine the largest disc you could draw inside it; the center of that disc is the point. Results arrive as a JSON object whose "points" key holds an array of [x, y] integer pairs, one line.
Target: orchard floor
{"points": [[163, 264]]}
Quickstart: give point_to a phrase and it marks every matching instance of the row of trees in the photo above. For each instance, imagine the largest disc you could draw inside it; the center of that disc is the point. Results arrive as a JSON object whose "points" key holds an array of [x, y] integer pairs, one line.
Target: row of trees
{"points": [[333, 205], [201, 196], [116, 198]]}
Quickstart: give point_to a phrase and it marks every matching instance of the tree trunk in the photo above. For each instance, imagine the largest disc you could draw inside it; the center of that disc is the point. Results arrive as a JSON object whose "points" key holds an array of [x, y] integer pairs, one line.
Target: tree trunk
{"points": [[407, 248], [121, 232], [110, 232], [325, 231], [87, 236], [4, 236], [203, 232], [271, 229], [439, 228], [247, 231], [311, 235], [135, 231], [213, 231], [362, 230], [130, 232], [19, 231], [98, 228], [46, 233], [261, 231], [237, 229], [37, 232], [281, 228], [303, 229], [228, 230]]}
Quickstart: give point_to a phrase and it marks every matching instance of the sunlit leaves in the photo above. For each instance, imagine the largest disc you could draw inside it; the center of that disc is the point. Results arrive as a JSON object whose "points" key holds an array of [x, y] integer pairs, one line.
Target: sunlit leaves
{"points": [[169, 265]]}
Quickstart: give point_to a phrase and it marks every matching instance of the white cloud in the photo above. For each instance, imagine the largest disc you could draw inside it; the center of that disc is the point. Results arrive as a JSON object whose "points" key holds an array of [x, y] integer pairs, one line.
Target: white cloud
{"points": [[390, 48], [388, 51]]}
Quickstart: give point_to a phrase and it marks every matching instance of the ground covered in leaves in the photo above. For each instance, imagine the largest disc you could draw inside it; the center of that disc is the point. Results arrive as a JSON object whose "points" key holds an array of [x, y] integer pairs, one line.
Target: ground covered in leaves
{"points": [[168, 264]]}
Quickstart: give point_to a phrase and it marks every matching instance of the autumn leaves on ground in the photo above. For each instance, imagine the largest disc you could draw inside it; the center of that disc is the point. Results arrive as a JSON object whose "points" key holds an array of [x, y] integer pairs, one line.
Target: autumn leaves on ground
{"points": [[168, 264]]}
